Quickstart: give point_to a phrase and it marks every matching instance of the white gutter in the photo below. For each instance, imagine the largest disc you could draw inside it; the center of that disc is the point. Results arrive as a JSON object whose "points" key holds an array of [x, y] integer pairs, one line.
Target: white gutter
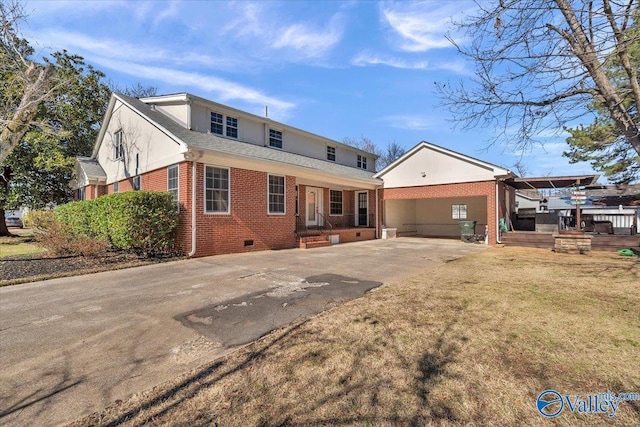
{"points": [[497, 215], [194, 179], [377, 222]]}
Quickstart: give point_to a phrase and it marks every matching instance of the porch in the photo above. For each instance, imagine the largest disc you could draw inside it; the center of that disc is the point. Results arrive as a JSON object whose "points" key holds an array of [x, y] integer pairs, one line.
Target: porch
{"points": [[330, 231]]}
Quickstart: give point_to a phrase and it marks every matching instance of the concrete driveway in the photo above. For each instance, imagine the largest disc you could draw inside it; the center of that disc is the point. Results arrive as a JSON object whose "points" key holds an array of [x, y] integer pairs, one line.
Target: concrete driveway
{"points": [[71, 346]]}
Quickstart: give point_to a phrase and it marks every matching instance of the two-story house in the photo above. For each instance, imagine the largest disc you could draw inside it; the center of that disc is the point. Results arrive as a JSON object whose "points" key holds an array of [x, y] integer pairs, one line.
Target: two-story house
{"points": [[242, 182]]}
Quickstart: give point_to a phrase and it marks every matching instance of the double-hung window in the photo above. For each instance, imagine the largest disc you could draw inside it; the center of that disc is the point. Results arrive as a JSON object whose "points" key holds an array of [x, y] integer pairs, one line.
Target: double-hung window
{"points": [[224, 125], [232, 127], [276, 194], [458, 211], [275, 138], [335, 202], [362, 162], [117, 145], [217, 123], [331, 153], [173, 181], [216, 190]]}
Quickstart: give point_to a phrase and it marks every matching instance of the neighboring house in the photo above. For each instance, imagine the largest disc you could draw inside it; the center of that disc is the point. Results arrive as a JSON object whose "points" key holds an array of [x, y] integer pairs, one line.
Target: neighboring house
{"points": [[242, 182], [430, 189]]}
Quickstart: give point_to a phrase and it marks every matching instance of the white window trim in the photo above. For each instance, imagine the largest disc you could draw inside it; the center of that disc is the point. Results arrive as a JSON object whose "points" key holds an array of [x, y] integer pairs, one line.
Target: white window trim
{"points": [[204, 191], [335, 154], [281, 140], [466, 210], [118, 148], [341, 203], [361, 162], [224, 125], [285, 195], [177, 167]]}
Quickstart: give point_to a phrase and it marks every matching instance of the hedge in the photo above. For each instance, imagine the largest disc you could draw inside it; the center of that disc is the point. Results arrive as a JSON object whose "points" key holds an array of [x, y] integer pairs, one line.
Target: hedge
{"points": [[137, 221]]}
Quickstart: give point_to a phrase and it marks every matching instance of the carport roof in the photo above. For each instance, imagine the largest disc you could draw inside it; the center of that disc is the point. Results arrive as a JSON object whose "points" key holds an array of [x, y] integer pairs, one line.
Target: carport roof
{"points": [[551, 181]]}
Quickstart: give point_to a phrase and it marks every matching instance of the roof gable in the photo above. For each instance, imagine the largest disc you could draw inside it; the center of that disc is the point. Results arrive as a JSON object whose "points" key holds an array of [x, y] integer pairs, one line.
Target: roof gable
{"points": [[430, 164]]}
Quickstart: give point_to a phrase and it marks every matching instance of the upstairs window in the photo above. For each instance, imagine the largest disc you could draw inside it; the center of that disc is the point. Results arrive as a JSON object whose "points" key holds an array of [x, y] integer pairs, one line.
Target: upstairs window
{"points": [[276, 194], [224, 125], [232, 127], [216, 123], [335, 198], [173, 182], [275, 138], [117, 145], [362, 162], [331, 153]]}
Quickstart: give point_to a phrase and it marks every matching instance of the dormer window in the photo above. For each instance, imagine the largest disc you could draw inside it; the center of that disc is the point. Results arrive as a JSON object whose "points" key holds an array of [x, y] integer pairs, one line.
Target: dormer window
{"points": [[331, 153], [224, 126], [275, 138], [362, 162]]}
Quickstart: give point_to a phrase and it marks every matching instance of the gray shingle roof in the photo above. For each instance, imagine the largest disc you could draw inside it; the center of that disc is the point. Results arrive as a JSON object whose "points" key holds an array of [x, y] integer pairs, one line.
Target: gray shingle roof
{"points": [[91, 168], [199, 140]]}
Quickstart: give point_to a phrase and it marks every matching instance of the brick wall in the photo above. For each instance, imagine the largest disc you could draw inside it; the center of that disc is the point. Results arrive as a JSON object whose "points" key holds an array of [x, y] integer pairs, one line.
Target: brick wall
{"points": [[248, 219], [482, 188]]}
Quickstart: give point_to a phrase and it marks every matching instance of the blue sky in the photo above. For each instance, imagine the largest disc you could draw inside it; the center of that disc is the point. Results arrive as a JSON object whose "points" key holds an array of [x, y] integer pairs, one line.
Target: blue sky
{"points": [[335, 68]]}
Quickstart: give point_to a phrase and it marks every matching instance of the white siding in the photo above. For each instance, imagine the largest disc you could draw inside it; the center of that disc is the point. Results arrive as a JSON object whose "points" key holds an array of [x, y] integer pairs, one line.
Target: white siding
{"points": [[438, 168], [178, 112], [153, 148]]}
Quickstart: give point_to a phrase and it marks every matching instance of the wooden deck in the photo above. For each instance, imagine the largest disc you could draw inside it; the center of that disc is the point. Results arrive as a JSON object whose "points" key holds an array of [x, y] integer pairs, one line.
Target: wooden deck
{"points": [[600, 242]]}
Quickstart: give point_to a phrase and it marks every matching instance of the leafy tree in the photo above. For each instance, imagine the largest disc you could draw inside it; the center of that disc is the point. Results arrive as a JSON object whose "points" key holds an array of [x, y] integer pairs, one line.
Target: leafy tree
{"points": [[602, 143], [543, 64], [37, 166]]}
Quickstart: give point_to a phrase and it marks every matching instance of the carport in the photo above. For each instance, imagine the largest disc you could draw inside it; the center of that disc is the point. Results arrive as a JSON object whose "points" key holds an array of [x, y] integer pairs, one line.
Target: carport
{"points": [[430, 189], [435, 217]]}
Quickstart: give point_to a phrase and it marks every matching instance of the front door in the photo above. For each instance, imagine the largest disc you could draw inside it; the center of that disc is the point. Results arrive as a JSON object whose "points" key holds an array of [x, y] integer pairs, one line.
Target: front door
{"points": [[362, 209], [314, 205]]}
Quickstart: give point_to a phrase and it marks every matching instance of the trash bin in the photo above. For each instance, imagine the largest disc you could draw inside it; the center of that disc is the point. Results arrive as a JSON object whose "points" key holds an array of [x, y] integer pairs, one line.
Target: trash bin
{"points": [[467, 228]]}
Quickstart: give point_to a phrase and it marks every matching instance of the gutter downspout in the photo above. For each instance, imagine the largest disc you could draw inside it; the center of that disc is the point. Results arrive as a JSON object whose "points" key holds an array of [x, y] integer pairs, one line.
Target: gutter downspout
{"points": [[377, 222], [194, 179], [497, 215]]}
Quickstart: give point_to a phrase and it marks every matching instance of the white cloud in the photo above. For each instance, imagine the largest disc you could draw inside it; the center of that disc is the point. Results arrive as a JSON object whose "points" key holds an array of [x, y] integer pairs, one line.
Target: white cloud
{"points": [[119, 50], [409, 122], [421, 26], [366, 58], [223, 90], [309, 41]]}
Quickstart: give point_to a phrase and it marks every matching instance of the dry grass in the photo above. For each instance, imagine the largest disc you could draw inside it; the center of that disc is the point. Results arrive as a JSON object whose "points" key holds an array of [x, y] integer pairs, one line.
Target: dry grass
{"points": [[19, 245], [472, 342]]}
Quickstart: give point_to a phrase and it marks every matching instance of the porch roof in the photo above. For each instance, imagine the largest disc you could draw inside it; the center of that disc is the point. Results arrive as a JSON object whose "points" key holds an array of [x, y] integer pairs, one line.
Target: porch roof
{"points": [[551, 181]]}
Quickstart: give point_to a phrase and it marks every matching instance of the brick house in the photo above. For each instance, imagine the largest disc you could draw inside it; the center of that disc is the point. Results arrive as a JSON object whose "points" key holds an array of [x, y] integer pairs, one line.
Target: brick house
{"points": [[242, 182]]}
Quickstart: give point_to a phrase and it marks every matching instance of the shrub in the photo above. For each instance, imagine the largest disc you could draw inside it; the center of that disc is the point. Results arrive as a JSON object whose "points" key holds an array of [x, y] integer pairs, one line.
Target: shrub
{"points": [[38, 220], [60, 239], [137, 221]]}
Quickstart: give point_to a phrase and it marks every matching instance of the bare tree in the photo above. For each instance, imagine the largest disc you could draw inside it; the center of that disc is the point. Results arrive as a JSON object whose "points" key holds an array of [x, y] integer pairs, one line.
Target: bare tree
{"points": [[136, 90], [25, 84], [541, 65], [392, 152]]}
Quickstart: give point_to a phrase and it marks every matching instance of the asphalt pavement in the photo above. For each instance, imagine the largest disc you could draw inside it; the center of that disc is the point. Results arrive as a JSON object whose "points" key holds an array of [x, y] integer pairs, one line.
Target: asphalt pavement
{"points": [[71, 346]]}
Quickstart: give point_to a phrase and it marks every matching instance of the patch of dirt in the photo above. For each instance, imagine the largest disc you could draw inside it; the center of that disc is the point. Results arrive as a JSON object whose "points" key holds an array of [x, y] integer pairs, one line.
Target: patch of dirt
{"points": [[22, 269]]}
